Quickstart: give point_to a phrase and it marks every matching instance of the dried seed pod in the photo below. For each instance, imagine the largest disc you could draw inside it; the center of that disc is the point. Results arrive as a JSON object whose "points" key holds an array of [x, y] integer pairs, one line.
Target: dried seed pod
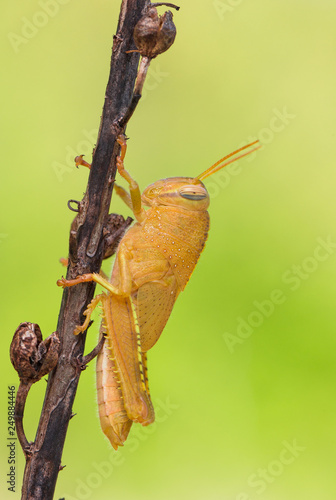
{"points": [[154, 34], [31, 357], [114, 229], [49, 351]]}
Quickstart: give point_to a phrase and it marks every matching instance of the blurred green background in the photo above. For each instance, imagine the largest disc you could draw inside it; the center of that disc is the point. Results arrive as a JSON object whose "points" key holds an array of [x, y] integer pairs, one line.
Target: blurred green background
{"points": [[243, 378]]}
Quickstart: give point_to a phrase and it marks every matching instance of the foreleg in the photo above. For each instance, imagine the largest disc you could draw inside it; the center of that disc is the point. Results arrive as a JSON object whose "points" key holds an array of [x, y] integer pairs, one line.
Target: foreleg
{"points": [[135, 194]]}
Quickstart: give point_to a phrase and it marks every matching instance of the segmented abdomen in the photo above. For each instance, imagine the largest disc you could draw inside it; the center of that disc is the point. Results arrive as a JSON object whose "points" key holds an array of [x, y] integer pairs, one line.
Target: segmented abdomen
{"points": [[113, 418]]}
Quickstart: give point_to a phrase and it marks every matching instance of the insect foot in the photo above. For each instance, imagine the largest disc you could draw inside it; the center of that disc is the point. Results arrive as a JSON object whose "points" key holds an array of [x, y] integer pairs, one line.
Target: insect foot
{"points": [[79, 160], [62, 282], [83, 278]]}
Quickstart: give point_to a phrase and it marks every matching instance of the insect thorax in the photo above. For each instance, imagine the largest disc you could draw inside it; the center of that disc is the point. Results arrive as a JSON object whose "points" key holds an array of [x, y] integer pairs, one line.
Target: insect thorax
{"points": [[179, 235]]}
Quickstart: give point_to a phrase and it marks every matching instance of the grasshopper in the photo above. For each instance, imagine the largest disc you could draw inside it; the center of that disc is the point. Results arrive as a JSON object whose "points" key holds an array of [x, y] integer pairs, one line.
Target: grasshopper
{"points": [[153, 264]]}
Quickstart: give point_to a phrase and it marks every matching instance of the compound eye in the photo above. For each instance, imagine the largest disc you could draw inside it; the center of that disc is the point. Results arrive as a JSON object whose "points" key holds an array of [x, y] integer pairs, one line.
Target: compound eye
{"points": [[193, 193]]}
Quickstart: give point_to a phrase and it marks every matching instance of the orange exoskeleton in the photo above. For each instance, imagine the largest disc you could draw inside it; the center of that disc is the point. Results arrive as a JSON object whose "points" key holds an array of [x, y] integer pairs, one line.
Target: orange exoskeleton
{"points": [[153, 264]]}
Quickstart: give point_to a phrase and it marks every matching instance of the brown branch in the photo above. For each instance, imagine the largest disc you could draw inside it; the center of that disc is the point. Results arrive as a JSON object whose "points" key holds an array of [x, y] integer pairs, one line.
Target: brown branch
{"points": [[86, 251]]}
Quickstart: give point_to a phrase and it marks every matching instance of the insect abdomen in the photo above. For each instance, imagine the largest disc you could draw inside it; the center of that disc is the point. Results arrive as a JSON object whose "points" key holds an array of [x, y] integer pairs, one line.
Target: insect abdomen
{"points": [[113, 418]]}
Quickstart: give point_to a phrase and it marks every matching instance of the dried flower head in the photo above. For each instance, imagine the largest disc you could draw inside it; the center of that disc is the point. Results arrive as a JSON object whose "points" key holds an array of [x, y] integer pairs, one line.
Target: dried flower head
{"points": [[32, 357], [154, 34]]}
